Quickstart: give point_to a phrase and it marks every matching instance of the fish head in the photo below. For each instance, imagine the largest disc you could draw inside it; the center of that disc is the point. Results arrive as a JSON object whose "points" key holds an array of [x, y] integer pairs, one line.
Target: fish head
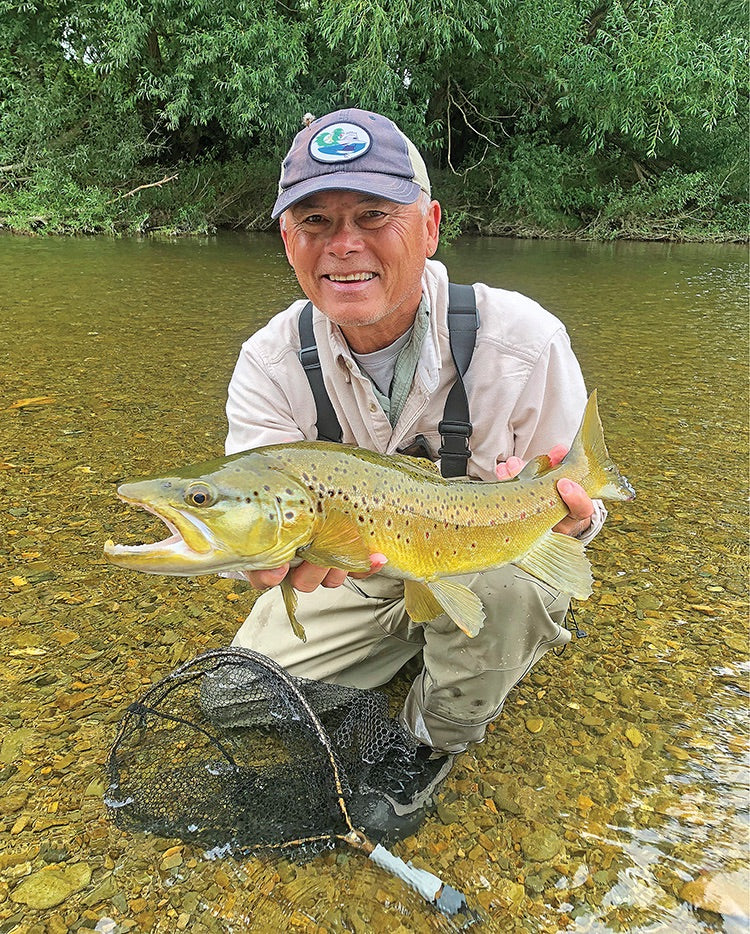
{"points": [[231, 517]]}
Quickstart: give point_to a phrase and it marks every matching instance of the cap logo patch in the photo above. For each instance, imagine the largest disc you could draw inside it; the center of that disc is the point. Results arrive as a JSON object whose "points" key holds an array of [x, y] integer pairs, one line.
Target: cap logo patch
{"points": [[340, 142]]}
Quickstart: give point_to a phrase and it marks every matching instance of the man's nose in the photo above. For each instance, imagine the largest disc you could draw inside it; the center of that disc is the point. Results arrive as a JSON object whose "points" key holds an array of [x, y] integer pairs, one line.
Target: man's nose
{"points": [[345, 238]]}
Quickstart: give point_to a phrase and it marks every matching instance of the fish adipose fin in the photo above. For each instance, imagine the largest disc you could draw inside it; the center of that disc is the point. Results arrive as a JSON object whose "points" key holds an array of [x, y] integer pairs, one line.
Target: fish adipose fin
{"points": [[428, 600], [561, 562], [338, 544], [537, 467], [290, 602]]}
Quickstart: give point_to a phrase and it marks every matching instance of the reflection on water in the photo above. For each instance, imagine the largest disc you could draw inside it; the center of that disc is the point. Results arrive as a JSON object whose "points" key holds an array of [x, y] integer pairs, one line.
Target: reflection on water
{"points": [[612, 794]]}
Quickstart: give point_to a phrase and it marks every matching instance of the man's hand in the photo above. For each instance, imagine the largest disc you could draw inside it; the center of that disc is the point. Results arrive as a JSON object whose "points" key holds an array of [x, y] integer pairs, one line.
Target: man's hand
{"points": [[580, 507], [308, 577]]}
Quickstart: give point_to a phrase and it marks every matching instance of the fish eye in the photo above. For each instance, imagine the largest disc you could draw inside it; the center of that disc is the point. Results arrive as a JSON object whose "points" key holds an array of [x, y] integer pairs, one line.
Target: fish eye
{"points": [[199, 494]]}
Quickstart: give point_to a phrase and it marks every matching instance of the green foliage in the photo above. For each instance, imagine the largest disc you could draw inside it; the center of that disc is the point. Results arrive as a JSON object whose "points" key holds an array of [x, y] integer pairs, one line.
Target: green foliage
{"points": [[572, 117]]}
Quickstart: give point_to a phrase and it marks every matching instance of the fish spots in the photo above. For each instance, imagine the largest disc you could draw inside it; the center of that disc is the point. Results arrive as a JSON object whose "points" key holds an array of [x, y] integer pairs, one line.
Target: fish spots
{"points": [[288, 515]]}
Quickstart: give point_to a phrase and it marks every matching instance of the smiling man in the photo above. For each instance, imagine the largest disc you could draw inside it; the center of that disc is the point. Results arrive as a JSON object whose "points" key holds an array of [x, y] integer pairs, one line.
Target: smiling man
{"points": [[359, 227]]}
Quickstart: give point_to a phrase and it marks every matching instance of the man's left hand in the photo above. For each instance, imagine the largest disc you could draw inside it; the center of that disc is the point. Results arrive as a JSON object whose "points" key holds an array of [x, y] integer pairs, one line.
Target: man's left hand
{"points": [[580, 507]]}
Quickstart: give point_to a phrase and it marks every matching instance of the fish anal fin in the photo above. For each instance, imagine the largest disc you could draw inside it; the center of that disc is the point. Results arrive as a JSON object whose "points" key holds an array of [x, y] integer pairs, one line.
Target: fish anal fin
{"points": [[337, 544], [560, 561], [426, 600], [462, 605], [290, 602], [420, 603]]}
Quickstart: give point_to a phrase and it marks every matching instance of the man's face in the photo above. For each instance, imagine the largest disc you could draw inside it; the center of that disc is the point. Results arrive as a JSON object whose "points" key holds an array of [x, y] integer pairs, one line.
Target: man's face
{"points": [[360, 260]]}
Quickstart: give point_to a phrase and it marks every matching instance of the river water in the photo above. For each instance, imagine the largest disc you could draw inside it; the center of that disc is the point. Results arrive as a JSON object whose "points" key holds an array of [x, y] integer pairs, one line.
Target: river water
{"points": [[610, 796]]}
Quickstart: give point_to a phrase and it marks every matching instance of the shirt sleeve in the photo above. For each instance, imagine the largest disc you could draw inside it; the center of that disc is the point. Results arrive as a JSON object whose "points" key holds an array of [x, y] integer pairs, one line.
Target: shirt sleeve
{"points": [[258, 409], [549, 411]]}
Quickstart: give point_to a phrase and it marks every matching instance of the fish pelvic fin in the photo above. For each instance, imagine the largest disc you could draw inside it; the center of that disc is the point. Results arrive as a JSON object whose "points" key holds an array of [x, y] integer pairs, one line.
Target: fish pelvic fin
{"points": [[426, 600], [561, 562], [337, 544], [290, 602], [604, 478]]}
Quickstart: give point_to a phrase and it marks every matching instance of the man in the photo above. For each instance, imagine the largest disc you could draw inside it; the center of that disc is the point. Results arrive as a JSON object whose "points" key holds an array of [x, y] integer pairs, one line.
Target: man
{"points": [[359, 227]]}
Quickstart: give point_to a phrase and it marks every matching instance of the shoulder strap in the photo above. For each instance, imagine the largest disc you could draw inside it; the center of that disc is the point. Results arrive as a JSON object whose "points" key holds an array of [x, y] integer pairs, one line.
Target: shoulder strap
{"points": [[456, 428], [328, 425]]}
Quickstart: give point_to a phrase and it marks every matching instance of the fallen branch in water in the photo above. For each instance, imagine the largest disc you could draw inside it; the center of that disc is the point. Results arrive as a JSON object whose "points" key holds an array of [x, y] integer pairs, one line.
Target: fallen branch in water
{"points": [[163, 181]]}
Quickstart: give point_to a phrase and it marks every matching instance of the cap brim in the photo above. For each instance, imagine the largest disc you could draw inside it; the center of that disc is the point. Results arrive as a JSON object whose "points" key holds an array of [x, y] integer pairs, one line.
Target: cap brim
{"points": [[400, 190]]}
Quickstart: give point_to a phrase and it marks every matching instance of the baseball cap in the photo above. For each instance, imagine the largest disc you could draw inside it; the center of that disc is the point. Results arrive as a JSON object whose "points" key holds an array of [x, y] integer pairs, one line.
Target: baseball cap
{"points": [[351, 150]]}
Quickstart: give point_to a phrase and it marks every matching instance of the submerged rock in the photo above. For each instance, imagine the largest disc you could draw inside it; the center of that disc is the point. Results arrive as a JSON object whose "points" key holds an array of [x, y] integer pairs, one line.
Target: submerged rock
{"points": [[541, 845], [52, 885]]}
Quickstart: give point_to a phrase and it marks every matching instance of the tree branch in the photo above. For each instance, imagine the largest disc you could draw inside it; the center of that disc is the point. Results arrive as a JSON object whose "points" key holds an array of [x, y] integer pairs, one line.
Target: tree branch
{"points": [[163, 181]]}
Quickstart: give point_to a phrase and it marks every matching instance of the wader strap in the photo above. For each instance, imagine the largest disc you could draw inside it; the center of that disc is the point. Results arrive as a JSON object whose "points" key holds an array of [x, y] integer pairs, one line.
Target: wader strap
{"points": [[456, 428], [327, 423]]}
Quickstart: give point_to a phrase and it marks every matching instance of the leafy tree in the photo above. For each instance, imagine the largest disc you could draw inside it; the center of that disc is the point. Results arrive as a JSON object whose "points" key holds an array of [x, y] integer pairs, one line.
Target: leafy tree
{"points": [[537, 115]]}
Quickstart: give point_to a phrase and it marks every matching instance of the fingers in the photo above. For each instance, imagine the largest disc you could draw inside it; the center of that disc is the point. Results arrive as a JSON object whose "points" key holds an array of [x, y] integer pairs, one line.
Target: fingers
{"points": [[262, 580], [506, 470], [307, 577], [580, 508], [377, 562], [557, 454]]}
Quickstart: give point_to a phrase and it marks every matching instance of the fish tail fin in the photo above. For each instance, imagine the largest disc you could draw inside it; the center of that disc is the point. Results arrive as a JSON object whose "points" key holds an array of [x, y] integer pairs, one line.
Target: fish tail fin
{"points": [[603, 476]]}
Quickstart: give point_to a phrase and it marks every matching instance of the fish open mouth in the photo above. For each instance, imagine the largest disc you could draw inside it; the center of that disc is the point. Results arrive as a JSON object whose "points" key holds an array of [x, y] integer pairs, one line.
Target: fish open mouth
{"points": [[189, 544]]}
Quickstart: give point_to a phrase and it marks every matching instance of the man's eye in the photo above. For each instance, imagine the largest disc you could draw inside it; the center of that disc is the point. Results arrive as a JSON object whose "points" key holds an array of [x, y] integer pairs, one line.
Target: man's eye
{"points": [[373, 218], [313, 219]]}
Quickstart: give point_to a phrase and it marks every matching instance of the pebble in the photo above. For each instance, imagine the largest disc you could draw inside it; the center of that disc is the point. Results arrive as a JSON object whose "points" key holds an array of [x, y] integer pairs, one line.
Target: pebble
{"points": [[723, 893], [541, 845], [52, 885]]}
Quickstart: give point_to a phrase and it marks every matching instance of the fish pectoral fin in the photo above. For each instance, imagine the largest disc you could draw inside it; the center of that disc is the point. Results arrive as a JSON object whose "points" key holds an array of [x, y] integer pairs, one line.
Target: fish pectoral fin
{"points": [[290, 602], [561, 562], [338, 544], [426, 600]]}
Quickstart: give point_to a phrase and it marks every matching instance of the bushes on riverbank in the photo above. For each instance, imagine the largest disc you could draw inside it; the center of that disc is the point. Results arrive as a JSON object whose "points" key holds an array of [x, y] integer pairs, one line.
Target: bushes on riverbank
{"points": [[588, 118]]}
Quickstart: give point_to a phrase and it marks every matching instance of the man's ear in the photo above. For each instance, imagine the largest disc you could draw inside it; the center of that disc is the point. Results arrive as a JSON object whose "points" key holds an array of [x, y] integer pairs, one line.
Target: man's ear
{"points": [[432, 219], [284, 237]]}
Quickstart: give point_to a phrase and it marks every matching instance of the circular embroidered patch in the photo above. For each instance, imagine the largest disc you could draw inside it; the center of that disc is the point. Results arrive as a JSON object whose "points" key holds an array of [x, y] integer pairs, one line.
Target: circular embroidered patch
{"points": [[340, 142]]}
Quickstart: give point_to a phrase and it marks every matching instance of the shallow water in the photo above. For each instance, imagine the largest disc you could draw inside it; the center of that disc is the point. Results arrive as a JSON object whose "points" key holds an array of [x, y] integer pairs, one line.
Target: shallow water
{"points": [[610, 796]]}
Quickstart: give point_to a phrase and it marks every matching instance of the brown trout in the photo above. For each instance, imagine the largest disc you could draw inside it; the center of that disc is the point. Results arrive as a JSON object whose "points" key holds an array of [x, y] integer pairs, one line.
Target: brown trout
{"points": [[333, 505]]}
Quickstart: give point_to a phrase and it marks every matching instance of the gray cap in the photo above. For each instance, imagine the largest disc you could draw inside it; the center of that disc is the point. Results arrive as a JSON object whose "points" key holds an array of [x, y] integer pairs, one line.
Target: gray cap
{"points": [[352, 150]]}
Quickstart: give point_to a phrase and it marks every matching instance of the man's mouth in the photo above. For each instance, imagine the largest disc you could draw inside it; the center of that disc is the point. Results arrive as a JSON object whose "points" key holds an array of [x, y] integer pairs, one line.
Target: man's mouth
{"points": [[350, 277]]}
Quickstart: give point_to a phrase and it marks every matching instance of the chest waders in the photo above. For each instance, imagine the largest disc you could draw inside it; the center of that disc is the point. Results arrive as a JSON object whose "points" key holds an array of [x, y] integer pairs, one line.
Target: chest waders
{"points": [[455, 428]]}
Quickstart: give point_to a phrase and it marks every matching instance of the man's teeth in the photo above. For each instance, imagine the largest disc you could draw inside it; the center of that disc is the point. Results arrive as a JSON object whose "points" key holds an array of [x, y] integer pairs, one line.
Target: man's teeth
{"points": [[353, 277]]}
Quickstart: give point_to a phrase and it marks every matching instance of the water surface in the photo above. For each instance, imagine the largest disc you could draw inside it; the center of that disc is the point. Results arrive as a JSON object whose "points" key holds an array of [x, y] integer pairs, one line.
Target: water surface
{"points": [[611, 795]]}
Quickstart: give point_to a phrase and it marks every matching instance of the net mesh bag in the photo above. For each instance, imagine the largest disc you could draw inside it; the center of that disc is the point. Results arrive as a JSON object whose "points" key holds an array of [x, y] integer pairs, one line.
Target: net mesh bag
{"points": [[231, 751]]}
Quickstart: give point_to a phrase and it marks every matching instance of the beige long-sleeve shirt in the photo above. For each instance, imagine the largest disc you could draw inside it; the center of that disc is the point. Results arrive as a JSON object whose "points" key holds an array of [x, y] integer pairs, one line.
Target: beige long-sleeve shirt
{"points": [[524, 384]]}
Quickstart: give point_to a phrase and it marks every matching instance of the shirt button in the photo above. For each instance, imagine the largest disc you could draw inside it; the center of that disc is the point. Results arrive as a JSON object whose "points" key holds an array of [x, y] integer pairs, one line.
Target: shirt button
{"points": [[373, 407]]}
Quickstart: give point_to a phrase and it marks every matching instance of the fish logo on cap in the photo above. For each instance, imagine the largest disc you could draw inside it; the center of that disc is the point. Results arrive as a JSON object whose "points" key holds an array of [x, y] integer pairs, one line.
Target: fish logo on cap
{"points": [[340, 142]]}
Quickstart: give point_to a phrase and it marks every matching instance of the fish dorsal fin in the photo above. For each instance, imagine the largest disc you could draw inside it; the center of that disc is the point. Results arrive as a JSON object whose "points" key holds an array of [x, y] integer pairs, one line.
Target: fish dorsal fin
{"points": [[537, 467], [290, 602], [560, 561], [337, 544], [429, 599]]}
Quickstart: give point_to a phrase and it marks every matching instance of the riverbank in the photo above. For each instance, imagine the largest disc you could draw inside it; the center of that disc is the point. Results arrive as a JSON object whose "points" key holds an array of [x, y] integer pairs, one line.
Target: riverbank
{"points": [[201, 198]]}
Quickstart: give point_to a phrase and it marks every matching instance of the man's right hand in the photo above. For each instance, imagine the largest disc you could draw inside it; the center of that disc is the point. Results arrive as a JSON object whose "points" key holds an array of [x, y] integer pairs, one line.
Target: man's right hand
{"points": [[307, 577]]}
